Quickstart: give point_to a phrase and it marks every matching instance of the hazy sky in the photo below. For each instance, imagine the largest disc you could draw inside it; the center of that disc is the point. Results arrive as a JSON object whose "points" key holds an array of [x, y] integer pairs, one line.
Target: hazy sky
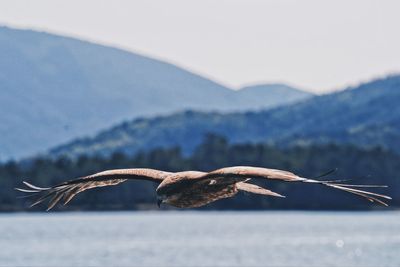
{"points": [[315, 44]]}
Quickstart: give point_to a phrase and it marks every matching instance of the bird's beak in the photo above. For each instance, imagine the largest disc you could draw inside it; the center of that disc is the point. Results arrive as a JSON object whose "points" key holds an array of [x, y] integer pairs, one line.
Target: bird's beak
{"points": [[159, 201]]}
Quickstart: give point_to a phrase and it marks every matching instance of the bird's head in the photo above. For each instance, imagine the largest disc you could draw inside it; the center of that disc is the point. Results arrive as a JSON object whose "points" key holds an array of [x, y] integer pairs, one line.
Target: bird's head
{"points": [[160, 200]]}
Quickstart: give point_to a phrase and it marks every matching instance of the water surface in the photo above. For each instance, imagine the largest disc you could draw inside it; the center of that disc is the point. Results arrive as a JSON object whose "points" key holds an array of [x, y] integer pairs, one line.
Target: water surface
{"points": [[200, 239]]}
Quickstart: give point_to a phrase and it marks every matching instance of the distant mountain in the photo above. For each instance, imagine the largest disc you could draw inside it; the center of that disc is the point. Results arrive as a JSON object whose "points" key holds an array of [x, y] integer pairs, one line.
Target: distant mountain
{"points": [[257, 97], [367, 115], [54, 89]]}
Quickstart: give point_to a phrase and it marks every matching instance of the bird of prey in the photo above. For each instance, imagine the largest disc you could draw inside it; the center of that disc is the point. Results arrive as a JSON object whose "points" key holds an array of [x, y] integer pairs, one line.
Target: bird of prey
{"points": [[190, 189]]}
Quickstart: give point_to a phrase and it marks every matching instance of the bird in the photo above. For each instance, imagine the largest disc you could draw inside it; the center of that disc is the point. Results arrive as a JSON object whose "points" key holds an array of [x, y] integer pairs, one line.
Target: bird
{"points": [[192, 189]]}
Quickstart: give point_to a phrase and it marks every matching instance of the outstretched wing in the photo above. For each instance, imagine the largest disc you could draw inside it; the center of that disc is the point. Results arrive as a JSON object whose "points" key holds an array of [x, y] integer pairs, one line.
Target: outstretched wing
{"points": [[241, 172], [69, 189]]}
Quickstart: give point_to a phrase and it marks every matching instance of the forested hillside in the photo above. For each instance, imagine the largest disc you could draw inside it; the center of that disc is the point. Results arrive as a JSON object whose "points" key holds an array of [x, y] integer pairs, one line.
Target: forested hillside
{"points": [[366, 116]]}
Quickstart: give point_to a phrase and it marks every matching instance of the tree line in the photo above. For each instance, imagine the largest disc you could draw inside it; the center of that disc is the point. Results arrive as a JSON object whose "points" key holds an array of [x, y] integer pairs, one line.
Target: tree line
{"points": [[361, 166]]}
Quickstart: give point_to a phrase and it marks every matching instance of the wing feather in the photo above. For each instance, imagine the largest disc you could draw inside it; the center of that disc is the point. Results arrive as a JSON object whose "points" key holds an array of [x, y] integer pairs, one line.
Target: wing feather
{"points": [[264, 173], [68, 190], [253, 172]]}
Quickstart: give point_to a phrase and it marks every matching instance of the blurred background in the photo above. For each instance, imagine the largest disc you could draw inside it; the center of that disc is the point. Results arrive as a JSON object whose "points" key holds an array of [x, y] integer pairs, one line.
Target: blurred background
{"points": [[305, 86]]}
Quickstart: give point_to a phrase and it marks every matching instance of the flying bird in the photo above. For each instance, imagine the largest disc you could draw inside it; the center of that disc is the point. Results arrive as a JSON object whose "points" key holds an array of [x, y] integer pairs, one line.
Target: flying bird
{"points": [[191, 189]]}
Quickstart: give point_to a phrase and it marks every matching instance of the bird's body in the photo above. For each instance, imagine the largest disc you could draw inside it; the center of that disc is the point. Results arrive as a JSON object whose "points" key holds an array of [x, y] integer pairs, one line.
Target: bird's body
{"points": [[189, 189], [185, 190], [199, 195]]}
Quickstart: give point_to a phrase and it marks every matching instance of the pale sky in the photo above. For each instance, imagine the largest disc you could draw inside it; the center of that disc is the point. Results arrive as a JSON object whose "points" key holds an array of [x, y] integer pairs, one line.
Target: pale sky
{"points": [[317, 45]]}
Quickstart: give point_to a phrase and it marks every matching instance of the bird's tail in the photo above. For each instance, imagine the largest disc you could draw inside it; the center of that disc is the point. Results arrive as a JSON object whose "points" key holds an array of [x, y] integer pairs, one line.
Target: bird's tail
{"points": [[255, 189]]}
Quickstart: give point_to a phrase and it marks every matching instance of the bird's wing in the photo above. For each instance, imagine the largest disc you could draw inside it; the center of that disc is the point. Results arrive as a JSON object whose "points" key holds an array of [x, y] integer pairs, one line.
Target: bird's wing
{"points": [[255, 189], [69, 189], [242, 172], [253, 172]]}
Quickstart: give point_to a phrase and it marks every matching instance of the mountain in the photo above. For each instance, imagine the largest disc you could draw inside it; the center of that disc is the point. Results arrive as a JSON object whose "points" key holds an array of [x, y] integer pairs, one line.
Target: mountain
{"points": [[367, 115], [54, 89], [257, 97]]}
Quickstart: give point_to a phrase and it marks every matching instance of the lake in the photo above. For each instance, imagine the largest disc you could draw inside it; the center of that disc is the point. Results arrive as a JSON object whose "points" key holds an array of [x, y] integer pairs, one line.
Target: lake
{"points": [[170, 238]]}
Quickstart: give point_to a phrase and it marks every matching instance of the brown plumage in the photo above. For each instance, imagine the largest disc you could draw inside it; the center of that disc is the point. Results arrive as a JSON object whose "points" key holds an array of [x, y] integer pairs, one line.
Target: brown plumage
{"points": [[189, 189]]}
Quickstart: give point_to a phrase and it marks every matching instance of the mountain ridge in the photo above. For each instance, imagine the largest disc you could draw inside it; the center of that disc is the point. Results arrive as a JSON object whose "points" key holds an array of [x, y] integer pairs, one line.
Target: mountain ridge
{"points": [[56, 88], [271, 93], [367, 115]]}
